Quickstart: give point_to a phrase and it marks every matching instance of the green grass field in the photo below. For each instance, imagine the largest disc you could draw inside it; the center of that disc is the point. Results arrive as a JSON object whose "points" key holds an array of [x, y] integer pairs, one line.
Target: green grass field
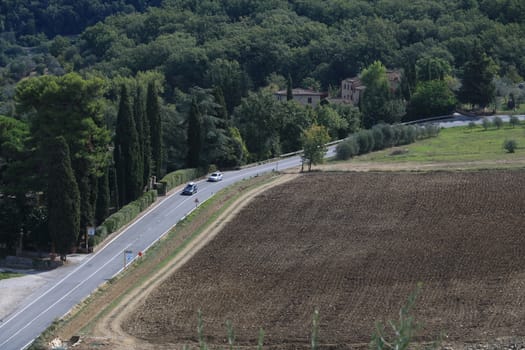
{"points": [[459, 144]]}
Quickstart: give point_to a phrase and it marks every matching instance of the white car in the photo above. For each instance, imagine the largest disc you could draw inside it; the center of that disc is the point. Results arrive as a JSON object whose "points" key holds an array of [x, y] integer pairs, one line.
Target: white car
{"points": [[215, 176]]}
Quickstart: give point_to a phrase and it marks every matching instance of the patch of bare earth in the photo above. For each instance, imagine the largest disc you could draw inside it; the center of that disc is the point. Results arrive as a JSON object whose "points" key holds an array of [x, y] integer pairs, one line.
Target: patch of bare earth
{"points": [[352, 245]]}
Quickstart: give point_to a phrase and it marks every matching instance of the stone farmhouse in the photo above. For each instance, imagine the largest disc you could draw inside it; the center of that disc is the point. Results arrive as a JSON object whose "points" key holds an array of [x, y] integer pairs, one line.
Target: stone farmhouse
{"points": [[352, 88], [351, 91], [303, 96]]}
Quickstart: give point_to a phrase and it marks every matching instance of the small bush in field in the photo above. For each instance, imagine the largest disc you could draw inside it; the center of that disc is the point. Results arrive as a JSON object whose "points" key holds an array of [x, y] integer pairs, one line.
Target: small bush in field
{"points": [[379, 139], [510, 145], [514, 121], [365, 140], [486, 123], [347, 149], [498, 122]]}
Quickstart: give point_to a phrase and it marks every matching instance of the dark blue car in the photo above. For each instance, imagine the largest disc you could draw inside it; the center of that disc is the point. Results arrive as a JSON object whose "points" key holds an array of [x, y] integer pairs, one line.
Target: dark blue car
{"points": [[190, 189]]}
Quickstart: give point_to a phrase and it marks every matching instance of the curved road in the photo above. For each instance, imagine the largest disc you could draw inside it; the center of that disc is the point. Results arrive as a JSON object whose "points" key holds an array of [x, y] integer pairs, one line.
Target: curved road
{"points": [[54, 300]]}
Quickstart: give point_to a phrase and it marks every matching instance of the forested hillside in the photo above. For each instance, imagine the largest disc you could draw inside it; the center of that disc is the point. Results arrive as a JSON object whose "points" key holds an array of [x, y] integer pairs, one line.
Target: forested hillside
{"points": [[191, 84]]}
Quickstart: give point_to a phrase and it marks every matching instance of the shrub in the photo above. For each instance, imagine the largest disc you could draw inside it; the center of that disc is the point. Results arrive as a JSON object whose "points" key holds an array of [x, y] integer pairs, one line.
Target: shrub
{"points": [[411, 134], [365, 140], [388, 135], [471, 125], [432, 130], [498, 122], [486, 123], [377, 135], [347, 149], [125, 215], [400, 135], [179, 177], [510, 145], [513, 121]]}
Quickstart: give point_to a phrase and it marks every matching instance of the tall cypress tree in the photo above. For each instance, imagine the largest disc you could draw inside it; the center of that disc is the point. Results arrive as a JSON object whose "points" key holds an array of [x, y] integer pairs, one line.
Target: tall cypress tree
{"points": [[126, 151], [194, 136], [222, 111], [289, 87], [139, 114], [103, 198], [153, 115], [146, 150], [63, 198], [88, 194], [113, 187]]}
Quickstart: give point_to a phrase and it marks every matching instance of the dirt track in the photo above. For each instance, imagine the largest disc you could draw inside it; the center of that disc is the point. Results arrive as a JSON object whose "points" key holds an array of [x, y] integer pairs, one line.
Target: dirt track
{"points": [[293, 250]]}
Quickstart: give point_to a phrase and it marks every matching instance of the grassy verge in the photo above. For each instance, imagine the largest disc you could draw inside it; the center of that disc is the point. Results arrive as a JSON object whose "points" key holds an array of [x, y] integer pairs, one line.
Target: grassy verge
{"points": [[6, 275], [108, 297], [460, 144]]}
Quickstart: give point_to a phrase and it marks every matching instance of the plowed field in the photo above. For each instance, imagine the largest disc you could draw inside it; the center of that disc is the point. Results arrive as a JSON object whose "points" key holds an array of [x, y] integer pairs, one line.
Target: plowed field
{"points": [[354, 246]]}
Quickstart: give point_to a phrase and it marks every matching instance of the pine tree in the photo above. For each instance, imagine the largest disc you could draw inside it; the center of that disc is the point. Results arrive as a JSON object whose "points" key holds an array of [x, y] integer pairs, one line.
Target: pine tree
{"points": [[63, 198], [194, 136], [477, 84], [153, 116]]}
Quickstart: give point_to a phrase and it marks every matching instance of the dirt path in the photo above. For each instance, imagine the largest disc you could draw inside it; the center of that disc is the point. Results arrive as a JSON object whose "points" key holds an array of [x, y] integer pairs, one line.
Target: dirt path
{"points": [[107, 332]]}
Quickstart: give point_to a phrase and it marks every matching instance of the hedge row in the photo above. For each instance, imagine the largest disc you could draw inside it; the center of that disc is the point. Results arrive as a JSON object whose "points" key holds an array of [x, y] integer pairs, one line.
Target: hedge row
{"points": [[383, 136], [176, 178], [122, 217]]}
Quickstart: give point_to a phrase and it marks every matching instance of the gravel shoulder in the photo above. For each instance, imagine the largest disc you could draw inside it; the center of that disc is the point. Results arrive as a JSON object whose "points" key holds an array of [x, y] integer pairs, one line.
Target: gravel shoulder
{"points": [[19, 291]]}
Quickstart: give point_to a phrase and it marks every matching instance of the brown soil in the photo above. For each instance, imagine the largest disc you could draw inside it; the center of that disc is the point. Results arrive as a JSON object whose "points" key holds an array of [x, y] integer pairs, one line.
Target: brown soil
{"points": [[352, 245]]}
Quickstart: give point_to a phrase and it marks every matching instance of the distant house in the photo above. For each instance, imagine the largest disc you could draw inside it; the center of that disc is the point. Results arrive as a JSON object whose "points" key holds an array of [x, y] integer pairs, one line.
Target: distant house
{"points": [[352, 88], [303, 96]]}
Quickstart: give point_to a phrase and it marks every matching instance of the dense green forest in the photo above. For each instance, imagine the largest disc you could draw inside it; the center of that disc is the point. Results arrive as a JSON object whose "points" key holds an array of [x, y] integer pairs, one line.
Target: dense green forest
{"points": [[119, 91]]}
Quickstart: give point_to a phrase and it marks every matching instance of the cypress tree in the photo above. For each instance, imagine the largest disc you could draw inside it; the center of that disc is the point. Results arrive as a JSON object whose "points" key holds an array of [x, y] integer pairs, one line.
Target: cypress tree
{"points": [[63, 198], [153, 116], [139, 114], [113, 187], [103, 198], [222, 111], [194, 136], [289, 93], [126, 151], [88, 194], [146, 150]]}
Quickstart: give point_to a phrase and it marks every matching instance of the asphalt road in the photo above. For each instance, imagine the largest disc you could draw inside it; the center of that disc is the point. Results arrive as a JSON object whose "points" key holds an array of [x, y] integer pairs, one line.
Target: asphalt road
{"points": [[54, 300], [462, 120]]}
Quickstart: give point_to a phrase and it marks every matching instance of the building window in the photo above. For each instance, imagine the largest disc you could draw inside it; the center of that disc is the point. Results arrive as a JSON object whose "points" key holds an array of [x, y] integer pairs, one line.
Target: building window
{"points": [[309, 100]]}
